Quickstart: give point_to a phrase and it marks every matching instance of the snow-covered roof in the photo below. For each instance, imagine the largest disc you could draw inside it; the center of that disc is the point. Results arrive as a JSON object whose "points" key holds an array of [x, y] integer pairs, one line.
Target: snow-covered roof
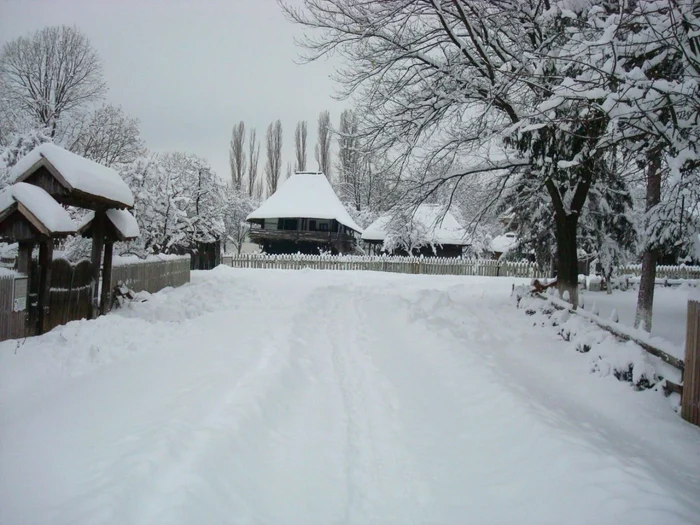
{"points": [[52, 217], [122, 220], [440, 225], [504, 243], [77, 172], [305, 195]]}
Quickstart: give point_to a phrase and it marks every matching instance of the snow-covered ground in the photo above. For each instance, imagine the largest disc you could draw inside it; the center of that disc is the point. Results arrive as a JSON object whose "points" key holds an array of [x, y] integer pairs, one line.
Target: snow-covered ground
{"points": [[670, 310], [275, 397]]}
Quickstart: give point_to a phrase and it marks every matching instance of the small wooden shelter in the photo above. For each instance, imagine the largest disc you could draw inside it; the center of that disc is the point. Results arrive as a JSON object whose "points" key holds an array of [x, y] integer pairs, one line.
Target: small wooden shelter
{"points": [[29, 216], [73, 180], [117, 226]]}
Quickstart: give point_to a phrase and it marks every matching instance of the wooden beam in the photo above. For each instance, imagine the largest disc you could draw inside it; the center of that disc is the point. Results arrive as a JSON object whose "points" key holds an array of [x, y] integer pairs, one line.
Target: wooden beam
{"points": [[45, 261], [40, 226], [106, 296], [97, 244], [24, 256]]}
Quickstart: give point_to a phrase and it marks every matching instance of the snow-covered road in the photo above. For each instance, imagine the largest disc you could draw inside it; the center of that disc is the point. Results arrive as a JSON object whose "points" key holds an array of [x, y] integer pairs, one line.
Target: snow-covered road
{"points": [[273, 397]]}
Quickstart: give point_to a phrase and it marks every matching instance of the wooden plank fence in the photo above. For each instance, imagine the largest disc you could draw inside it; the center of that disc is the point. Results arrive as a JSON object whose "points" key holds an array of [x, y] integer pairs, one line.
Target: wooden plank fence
{"points": [[70, 295], [152, 275], [690, 400], [411, 265], [71, 290]]}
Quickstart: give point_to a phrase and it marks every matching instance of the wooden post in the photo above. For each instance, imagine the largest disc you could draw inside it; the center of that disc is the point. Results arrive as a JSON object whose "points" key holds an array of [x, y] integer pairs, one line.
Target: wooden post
{"points": [[97, 243], [106, 296], [24, 256], [690, 401], [45, 260]]}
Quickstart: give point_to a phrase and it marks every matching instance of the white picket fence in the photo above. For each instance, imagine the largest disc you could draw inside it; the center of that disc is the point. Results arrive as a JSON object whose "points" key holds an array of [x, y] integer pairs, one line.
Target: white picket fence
{"points": [[662, 271], [412, 265]]}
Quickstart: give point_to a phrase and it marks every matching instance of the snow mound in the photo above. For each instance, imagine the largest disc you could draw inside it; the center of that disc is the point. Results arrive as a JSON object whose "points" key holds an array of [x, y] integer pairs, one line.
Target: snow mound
{"points": [[504, 243]]}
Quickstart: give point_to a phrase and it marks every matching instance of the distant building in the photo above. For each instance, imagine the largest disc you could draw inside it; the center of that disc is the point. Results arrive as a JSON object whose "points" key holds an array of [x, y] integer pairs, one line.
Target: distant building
{"points": [[503, 244], [429, 230], [304, 215]]}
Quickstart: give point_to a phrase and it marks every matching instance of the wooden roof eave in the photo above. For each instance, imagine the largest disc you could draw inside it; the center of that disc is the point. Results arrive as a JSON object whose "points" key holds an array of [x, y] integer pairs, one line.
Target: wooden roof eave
{"points": [[41, 227], [44, 162], [76, 197], [112, 232], [8, 211]]}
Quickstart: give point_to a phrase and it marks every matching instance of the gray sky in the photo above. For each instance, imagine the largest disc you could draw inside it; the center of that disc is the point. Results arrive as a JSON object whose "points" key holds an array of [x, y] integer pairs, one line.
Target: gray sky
{"points": [[190, 69]]}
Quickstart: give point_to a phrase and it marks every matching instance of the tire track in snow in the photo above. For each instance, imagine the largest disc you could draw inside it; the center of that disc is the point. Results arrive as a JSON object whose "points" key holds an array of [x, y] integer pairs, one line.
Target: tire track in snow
{"points": [[382, 485], [157, 494]]}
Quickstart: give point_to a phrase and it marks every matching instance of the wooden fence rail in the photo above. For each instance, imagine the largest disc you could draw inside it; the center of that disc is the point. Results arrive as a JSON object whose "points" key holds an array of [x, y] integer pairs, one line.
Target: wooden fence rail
{"points": [[690, 401], [412, 265]]}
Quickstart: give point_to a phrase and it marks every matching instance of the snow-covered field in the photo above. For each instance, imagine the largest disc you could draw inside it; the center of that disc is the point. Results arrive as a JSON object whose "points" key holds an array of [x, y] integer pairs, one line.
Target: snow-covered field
{"points": [[670, 308], [273, 397]]}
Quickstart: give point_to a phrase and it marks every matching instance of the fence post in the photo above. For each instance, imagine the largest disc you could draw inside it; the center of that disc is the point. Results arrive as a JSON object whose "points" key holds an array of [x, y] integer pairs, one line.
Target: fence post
{"points": [[690, 402]]}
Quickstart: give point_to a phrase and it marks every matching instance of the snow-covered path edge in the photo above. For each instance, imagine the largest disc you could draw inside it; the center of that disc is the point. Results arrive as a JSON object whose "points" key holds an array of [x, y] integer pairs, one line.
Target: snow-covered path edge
{"points": [[321, 398]]}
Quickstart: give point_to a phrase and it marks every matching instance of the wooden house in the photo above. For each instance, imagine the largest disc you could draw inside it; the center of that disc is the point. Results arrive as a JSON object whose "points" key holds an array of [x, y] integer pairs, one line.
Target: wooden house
{"points": [[304, 216], [428, 230]]}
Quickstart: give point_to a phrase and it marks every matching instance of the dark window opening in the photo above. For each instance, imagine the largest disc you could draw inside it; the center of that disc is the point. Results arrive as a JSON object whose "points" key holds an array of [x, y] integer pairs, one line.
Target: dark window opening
{"points": [[287, 224], [324, 226], [312, 226]]}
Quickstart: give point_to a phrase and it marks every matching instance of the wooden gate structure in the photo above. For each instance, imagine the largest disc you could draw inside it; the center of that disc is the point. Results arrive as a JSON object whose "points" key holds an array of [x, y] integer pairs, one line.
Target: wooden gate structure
{"points": [[52, 177]]}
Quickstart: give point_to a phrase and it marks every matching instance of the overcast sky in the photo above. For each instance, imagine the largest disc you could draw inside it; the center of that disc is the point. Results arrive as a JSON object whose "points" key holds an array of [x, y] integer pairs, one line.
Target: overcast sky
{"points": [[190, 69]]}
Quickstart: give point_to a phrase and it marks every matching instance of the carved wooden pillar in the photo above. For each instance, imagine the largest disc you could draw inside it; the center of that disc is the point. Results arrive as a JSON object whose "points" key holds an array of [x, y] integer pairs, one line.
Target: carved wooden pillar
{"points": [[106, 296], [98, 239], [45, 261]]}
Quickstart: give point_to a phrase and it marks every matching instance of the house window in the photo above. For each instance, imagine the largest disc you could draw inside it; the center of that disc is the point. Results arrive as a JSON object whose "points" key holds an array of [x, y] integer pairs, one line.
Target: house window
{"points": [[312, 226], [287, 224], [324, 226]]}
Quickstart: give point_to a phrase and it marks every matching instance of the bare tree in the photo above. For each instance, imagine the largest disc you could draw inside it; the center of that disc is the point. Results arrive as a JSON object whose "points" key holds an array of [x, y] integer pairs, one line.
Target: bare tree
{"points": [[349, 161], [300, 145], [273, 166], [254, 157], [323, 145], [50, 73], [236, 155], [109, 136], [289, 171]]}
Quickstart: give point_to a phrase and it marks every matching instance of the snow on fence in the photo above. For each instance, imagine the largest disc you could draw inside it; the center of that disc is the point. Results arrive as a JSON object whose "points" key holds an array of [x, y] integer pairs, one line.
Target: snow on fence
{"points": [[663, 271], [152, 274], [413, 265]]}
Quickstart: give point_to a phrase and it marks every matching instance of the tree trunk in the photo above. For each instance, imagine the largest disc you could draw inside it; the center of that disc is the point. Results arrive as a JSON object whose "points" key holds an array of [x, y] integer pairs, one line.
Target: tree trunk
{"points": [[645, 298], [567, 258]]}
